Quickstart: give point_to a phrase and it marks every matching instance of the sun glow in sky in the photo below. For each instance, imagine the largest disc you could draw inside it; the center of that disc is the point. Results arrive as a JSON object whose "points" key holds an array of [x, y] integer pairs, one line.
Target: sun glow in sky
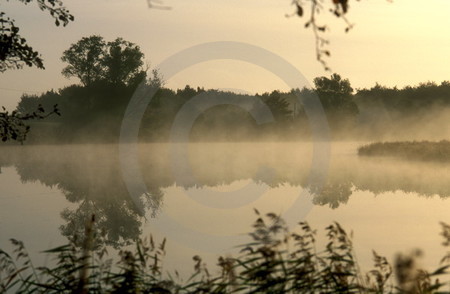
{"points": [[394, 44]]}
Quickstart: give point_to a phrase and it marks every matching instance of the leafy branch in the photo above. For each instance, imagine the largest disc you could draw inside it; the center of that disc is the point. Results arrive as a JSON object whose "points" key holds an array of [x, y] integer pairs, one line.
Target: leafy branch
{"points": [[13, 126], [14, 49], [339, 8]]}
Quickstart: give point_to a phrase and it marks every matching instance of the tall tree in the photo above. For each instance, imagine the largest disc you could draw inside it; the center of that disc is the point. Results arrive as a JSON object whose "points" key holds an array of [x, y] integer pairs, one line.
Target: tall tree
{"points": [[278, 105], [86, 60], [336, 97], [91, 59], [123, 63]]}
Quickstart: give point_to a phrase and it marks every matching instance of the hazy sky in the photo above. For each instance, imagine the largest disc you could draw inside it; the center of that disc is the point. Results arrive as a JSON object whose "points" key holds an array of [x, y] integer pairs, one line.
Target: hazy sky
{"points": [[395, 44]]}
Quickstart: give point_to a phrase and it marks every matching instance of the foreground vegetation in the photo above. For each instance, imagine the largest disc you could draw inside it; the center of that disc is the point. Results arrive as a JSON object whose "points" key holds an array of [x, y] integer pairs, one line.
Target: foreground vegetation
{"points": [[423, 150], [276, 261]]}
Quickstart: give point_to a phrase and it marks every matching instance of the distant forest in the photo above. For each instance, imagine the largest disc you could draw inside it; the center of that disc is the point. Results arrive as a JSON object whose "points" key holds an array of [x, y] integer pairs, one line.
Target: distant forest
{"points": [[94, 113], [110, 72]]}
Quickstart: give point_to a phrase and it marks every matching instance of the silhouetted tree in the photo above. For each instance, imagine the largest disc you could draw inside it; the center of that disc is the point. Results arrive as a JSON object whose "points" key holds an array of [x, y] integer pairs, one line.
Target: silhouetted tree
{"points": [[335, 94], [123, 62], [85, 59], [29, 103], [278, 105], [91, 60]]}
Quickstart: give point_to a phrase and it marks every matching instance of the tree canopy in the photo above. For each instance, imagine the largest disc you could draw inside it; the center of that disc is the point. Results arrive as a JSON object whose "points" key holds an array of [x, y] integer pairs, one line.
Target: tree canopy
{"points": [[336, 97], [123, 62], [85, 59], [91, 59]]}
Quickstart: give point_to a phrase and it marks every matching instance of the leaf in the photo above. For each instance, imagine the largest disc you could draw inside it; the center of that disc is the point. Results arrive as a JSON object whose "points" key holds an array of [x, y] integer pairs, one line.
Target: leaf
{"points": [[13, 275], [163, 244], [440, 271], [58, 249], [299, 10]]}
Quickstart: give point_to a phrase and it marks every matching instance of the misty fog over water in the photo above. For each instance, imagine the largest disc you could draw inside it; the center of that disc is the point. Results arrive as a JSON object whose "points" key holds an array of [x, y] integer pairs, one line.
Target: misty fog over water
{"points": [[49, 190], [192, 165]]}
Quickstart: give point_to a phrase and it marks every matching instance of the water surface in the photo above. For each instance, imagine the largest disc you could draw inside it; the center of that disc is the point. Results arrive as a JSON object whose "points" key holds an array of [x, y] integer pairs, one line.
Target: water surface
{"points": [[203, 201]]}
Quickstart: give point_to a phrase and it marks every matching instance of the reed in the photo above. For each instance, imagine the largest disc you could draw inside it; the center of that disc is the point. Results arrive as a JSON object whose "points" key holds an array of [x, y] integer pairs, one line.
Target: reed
{"points": [[275, 261]]}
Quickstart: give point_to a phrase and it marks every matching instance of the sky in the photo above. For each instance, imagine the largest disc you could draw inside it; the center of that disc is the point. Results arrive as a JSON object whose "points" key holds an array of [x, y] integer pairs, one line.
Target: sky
{"points": [[398, 43]]}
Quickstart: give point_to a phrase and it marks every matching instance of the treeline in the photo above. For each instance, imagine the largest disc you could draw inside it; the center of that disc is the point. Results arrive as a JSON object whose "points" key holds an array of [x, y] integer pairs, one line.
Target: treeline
{"points": [[407, 101], [412, 113], [110, 72], [94, 112]]}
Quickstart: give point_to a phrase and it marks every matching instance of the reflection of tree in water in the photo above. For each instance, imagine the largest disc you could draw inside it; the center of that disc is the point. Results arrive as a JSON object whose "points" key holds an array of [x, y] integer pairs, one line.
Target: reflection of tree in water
{"points": [[333, 194], [91, 178], [115, 222]]}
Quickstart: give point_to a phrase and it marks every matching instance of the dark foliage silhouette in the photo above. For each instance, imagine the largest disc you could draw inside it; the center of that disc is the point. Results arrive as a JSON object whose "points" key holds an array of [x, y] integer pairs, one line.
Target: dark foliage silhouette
{"points": [[92, 60], [14, 49], [275, 260]]}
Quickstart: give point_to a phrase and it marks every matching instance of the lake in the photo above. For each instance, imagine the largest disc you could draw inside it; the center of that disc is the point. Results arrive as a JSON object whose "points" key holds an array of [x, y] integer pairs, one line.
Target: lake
{"points": [[202, 196]]}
